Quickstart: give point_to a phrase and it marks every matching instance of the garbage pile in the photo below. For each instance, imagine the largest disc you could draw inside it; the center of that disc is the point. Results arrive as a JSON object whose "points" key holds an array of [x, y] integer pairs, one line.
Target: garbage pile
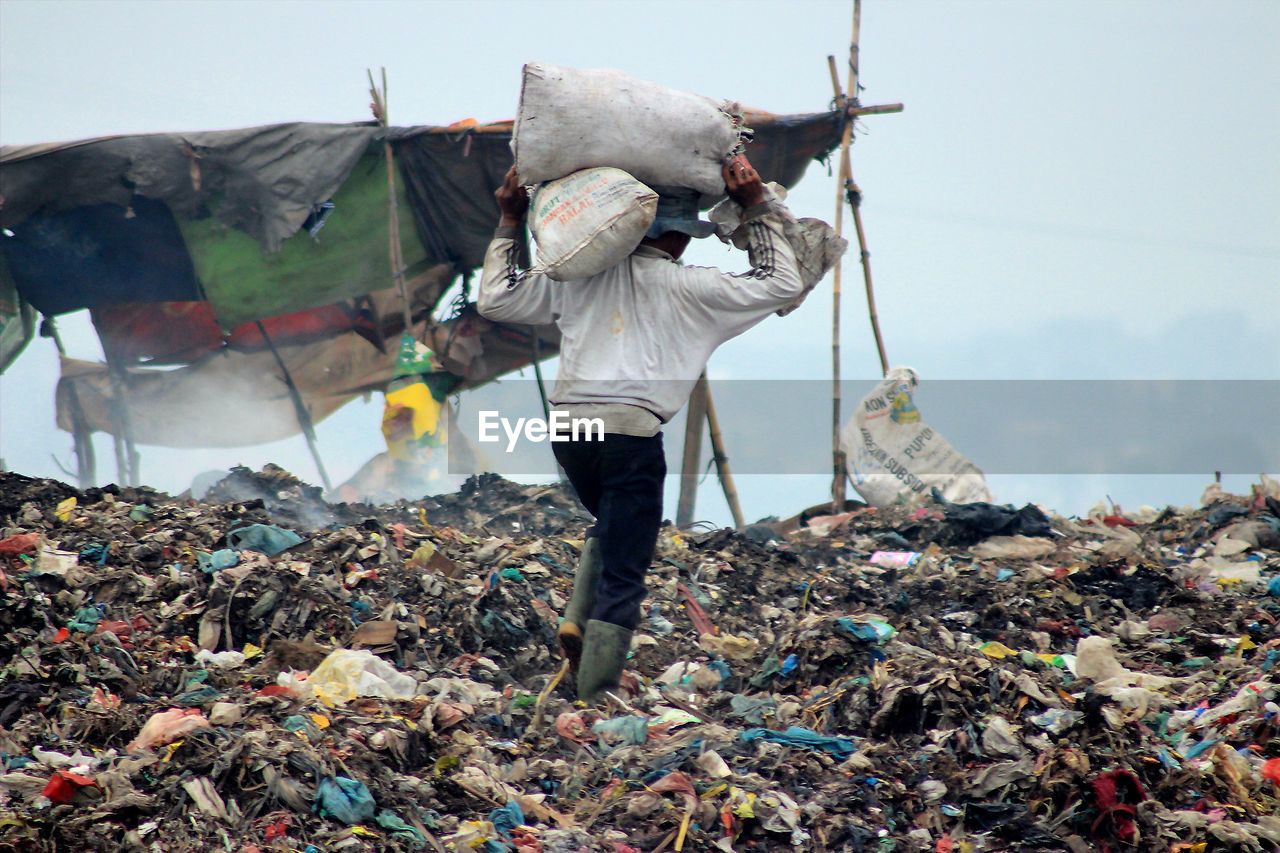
{"points": [[262, 671]]}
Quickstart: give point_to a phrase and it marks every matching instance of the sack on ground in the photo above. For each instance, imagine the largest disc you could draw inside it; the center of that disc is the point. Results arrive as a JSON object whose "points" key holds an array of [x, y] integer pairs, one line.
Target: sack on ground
{"points": [[589, 222], [894, 455], [571, 119]]}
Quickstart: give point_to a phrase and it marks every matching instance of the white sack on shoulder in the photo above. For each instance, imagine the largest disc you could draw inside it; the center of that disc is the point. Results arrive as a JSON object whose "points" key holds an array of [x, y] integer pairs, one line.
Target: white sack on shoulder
{"points": [[588, 222], [571, 119]]}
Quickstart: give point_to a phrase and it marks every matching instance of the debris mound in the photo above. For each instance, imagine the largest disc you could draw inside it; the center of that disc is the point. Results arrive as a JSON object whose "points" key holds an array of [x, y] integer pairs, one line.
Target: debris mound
{"points": [[260, 670]]}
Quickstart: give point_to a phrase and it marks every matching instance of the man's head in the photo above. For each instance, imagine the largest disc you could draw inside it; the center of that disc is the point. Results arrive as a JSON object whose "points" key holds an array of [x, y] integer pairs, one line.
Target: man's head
{"points": [[678, 211], [672, 242]]}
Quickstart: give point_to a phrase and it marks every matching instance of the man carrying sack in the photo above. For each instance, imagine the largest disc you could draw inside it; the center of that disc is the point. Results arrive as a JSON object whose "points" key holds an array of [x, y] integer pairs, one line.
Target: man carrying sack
{"points": [[634, 340]]}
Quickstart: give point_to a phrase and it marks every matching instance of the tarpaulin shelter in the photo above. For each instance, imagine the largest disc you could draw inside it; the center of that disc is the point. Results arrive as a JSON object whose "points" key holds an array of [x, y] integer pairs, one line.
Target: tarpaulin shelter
{"points": [[197, 249]]}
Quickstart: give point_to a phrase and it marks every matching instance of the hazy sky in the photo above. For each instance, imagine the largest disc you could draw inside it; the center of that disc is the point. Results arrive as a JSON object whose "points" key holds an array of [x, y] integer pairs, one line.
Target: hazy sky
{"points": [[1083, 190]]}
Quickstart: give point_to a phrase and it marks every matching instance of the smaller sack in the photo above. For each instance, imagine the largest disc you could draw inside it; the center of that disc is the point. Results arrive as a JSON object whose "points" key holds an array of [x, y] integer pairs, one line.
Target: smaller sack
{"points": [[589, 221]]}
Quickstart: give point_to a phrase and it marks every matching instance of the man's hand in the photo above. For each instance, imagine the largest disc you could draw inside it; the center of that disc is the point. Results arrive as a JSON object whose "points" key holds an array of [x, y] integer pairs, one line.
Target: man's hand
{"points": [[743, 182], [513, 199]]}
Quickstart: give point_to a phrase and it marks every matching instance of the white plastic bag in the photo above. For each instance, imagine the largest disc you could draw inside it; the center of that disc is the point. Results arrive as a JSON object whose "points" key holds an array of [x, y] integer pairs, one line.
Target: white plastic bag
{"points": [[589, 221], [893, 454], [571, 119], [1014, 548], [346, 674]]}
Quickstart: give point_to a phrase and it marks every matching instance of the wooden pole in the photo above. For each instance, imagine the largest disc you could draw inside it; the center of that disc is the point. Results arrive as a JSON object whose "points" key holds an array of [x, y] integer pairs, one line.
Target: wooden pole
{"points": [[537, 372], [853, 194], [722, 459], [396, 251], [695, 416], [842, 103], [80, 434], [851, 90], [849, 192], [127, 457], [299, 409], [542, 392], [875, 110], [855, 201]]}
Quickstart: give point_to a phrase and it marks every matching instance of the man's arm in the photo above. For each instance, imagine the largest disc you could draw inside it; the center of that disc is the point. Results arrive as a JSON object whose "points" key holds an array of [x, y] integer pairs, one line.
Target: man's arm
{"points": [[507, 293], [774, 278]]}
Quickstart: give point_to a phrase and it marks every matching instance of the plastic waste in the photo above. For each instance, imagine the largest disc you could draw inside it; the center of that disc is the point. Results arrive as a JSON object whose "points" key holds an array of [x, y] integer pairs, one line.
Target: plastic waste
{"points": [[870, 630], [839, 747], [225, 714], [1096, 661], [1057, 720], [980, 520], [999, 739], [266, 538], [1014, 548], [86, 619], [221, 660], [974, 709], [166, 727], [64, 784], [507, 818], [218, 560], [753, 709], [663, 627], [207, 799], [390, 821], [348, 673], [344, 799], [895, 559], [621, 731]]}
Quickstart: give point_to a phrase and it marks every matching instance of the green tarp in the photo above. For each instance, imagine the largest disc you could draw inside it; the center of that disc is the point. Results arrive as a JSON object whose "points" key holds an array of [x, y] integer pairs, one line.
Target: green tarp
{"points": [[349, 256]]}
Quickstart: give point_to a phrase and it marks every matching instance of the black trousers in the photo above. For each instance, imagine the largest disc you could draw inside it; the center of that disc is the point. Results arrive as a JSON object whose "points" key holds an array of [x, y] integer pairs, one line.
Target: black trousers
{"points": [[619, 481]]}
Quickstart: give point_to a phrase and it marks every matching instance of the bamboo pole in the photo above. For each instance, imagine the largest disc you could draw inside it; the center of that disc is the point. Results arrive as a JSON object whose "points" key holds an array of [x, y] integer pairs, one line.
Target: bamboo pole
{"points": [[695, 416], [537, 372], [722, 459], [849, 192], [852, 193], [842, 103], [393, 212], [875, 110], [299, 409], [122, 464], [542, 393], [80, 434], [855, 201], [127, 457]]}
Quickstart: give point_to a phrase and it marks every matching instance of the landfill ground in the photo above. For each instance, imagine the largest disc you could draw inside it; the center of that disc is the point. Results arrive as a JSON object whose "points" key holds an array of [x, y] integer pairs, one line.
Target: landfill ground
{"points": [[260, 671]]}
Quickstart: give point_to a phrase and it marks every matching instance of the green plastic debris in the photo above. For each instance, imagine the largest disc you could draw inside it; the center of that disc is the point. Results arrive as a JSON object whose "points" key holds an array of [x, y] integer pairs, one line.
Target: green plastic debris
{"points": [[388, 820]]}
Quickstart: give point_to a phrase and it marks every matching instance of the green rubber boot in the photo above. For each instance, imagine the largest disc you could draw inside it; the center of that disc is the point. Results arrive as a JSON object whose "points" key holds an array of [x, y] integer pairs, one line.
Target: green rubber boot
{"points": [[578, 610], [604, 651]]}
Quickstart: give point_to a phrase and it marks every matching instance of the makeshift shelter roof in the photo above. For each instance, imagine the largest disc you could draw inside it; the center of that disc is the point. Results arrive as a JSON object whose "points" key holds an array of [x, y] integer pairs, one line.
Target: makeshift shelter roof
{"points": [[181, 242], [165, 217]]}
